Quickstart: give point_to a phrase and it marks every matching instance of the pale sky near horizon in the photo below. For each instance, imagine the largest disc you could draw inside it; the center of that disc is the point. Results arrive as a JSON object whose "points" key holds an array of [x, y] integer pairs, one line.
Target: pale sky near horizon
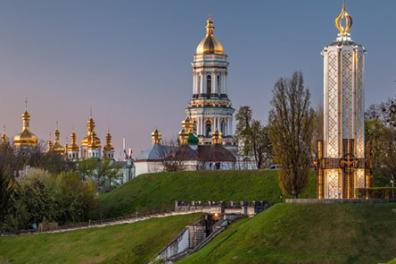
{"points": [[131, 60]]}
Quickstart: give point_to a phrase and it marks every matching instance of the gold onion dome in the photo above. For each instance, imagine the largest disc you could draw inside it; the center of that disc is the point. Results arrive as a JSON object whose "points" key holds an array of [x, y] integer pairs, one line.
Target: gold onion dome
{"points": [[183, 136], [217, 138], [25, 137], [343, 22], [187, 125], [57, 146], [91, 140], [156, 137], [210, 44], [73, 143], [109, 146]]}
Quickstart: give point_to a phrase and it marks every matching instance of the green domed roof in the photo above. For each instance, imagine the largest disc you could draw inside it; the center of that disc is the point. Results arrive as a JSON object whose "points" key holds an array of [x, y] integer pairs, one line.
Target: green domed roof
{"points": [[192, 139]]}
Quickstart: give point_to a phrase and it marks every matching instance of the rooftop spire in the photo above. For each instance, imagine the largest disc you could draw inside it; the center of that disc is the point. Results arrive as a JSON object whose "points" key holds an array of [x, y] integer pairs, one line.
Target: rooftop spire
{"points": [[343, 23], [209, 27]]}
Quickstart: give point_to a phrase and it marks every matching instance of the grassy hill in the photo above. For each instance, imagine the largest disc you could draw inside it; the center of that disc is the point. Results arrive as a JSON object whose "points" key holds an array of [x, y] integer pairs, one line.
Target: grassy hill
{"points": [[337, 233], [129, 243], [160, 190]]}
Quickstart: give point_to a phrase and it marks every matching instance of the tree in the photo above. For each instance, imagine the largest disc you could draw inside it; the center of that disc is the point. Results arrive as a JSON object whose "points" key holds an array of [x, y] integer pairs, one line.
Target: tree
{"points": [[7, 190], [260, 144], [380, 135], [253, 137], [291, 131], [104, 172], [243, 120], [387, 156]]}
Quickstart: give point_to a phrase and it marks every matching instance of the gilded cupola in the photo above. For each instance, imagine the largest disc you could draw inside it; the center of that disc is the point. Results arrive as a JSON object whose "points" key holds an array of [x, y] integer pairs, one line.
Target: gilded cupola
{"points": [[109, 145], [217, 138], [91, 141], [209, 44], [57, 146], [156, 137], [186, 134], [73, 147], [25, 139]]}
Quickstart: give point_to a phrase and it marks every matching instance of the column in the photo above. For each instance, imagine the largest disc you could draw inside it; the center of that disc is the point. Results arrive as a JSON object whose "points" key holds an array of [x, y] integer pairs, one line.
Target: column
{"points": [[195, 87], [214, 124]]}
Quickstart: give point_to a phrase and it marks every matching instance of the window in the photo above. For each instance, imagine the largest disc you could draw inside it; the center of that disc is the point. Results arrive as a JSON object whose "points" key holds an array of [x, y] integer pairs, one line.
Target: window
{"points": [[199, 84], [223, 127], [208, 128], [208, 85], [218, 84]]}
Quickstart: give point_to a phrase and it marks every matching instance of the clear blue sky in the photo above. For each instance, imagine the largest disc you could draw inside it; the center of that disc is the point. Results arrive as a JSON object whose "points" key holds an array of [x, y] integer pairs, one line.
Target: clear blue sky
{"points": [[131, 60]]}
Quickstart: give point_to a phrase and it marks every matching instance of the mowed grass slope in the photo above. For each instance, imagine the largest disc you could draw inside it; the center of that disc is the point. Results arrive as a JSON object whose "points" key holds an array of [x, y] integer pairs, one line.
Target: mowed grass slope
{"points": [[129, 243], [335, 233], [160, 190]]}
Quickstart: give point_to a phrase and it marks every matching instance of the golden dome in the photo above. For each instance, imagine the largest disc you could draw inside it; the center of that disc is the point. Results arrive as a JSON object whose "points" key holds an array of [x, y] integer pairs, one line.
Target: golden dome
{"points": [[109, 146], [345, 17], [156, 137], [91, 140], [210, 44], [187, 125], [217, 138], [26, 137], [73, 143], [57, 146]]}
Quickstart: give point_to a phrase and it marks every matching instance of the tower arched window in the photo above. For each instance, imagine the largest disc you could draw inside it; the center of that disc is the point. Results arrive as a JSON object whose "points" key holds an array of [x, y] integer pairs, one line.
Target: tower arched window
{"points": [[223, 127], [199, 84], [208, 85], [208, 128], [218, 85]]}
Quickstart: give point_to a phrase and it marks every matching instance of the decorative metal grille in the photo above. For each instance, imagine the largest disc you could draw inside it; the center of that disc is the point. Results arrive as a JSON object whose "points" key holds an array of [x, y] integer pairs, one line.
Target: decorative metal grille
{"points": [[360, 178], [347, 94], [332, 93], [359, 108], [333, 189]]}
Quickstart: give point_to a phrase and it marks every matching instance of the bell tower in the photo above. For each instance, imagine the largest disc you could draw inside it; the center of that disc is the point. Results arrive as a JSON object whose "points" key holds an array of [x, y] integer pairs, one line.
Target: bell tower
{"points": [[210, 108]]}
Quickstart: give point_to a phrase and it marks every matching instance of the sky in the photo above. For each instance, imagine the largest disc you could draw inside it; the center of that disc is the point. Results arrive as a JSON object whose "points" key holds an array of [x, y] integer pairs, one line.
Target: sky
{"points": [[130, 61]]}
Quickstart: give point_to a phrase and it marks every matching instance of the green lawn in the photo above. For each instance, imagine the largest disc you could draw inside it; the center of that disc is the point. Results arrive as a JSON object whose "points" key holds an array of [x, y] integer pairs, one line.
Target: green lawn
{"points": [[337, 233], [160, 190], [128, 243]]}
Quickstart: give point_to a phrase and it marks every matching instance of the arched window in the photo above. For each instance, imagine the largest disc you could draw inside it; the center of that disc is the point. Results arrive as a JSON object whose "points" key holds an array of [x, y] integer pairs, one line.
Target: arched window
{"points": [[208, 128], [223, 127], [208, 85], [199, 84], [218, 84]]}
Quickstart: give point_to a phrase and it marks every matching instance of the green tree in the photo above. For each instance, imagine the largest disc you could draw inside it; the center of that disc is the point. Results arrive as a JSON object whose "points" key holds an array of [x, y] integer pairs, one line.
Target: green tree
{"points": [[291, 131], [243, 120], [104, 172], [260, 144], [7, 190], [75, 199], [253, 137]]}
